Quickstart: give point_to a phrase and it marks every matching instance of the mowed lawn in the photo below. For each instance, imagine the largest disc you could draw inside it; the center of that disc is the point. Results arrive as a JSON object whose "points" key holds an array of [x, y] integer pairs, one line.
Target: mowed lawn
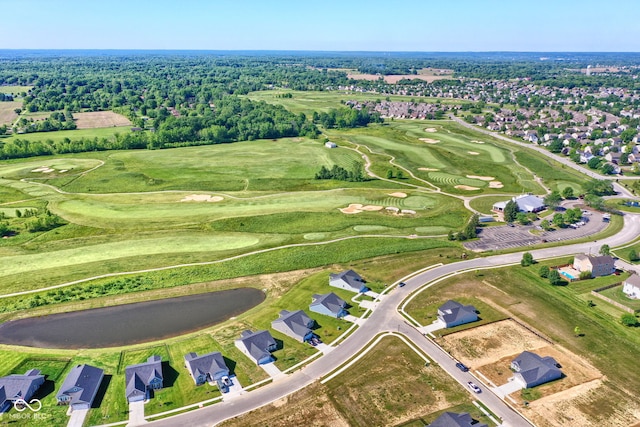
{"points": [[72, 135]]}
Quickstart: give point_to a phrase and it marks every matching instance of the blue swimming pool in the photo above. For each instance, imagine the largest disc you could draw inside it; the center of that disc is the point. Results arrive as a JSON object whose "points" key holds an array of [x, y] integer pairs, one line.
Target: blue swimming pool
{"points": [[567, 275]]}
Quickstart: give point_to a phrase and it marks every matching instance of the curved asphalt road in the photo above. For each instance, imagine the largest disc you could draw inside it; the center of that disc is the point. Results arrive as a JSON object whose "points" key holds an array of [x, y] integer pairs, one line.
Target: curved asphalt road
{"points": [[385, 318]]}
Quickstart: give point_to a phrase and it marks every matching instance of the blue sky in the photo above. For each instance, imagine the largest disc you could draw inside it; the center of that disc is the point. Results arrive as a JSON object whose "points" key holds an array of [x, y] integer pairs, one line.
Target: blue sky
{"points": [[347, 25]]}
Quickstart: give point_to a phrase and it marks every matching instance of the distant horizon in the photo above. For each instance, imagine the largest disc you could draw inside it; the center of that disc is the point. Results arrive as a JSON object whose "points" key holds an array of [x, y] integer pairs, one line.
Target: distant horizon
{"points": [[332, 26]]}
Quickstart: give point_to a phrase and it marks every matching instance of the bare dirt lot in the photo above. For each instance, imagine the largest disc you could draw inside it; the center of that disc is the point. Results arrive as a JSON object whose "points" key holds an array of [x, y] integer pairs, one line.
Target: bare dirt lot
{"points": [[100, 119], [7, 115]]}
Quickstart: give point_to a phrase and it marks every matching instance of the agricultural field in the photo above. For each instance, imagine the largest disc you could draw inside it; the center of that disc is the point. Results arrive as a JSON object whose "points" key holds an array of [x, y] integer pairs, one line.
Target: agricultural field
{"points": [[15, 89], [425, 74], [100, 119], [73, 135], [371, 392], [598, 375], [7, 113]]}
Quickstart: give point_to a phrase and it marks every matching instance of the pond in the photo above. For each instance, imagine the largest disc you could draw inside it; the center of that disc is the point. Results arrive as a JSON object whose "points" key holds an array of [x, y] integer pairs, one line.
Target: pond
{"points": [[130, 323]]}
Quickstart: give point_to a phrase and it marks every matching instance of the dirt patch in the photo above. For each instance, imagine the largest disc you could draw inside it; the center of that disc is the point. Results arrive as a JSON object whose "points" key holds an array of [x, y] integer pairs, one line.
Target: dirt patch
{"points": [[202, 198], [486, 344], [7, 113], [431, 130], [496, 184], [396, 78], [398, 194], [481, 178], [100, 119], [355, 208], [473, 153], [429, 140], [466, 187], [428, 169]]}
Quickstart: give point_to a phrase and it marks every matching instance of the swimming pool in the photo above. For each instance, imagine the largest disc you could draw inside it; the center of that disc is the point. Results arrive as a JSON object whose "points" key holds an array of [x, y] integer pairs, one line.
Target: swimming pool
{"points": [[567, 275]]}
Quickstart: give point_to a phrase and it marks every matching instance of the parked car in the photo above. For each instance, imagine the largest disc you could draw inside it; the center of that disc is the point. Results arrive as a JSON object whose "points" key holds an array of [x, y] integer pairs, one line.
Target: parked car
{"points": [[226, 381], [401, 284], [474, 387], [462, 367]]}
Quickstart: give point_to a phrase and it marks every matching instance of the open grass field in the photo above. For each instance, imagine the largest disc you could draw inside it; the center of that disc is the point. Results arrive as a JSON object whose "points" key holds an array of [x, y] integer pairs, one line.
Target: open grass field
{"points": [[554, 311], [7, 113], [100, 119], [307, 101], [73, 135], [555, 175], [372, 392], [15, 89]]}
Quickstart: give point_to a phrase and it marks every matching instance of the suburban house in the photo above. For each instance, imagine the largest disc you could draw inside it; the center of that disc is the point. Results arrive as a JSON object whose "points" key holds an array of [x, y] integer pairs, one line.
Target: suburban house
{"points": [[597, 265], [19, 387], [257, 346], [330, 144], [631, 286], [328, 304], [208, 367], [451, 419], [348, 280], [80, 387], [295, 324], [142, 378], [452, 313], [532, 370], [526, 203]]}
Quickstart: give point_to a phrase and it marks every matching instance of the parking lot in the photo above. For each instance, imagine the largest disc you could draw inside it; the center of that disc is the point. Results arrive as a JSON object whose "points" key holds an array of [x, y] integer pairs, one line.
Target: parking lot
{"points": [[505, 237]]}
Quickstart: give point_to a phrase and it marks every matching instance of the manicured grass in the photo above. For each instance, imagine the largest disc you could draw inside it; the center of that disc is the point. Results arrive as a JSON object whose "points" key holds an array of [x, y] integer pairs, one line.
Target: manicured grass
{"points": [[15, 89], [485, 204], [73, 135], [555, 175], [617, 295]]}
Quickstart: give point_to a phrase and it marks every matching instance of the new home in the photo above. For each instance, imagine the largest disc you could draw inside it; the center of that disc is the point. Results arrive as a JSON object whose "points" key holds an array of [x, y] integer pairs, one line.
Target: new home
{"points": [[80, 387], [452, 419], [348, 280], [295, 324], [257, 346], [532, 370], [208, 367], [452, 313], [142, 378], [19, 387], [328, 304], [631, 286], [598, 265]]}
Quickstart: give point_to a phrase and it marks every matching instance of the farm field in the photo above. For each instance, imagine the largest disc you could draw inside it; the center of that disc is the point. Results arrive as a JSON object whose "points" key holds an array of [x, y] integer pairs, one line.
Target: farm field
{"points": [[371, 392], [75, 134], [15, 89], [7, 113], [554, 311], [100, 119]]}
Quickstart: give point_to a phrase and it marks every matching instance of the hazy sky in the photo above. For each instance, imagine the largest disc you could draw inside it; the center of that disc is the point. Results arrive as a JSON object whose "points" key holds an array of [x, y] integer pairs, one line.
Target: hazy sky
{"points": [[371, 25]]}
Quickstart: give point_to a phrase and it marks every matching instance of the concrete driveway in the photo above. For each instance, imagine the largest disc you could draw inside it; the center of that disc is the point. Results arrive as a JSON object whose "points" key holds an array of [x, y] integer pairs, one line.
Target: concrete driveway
{"points": [[77, 418], [272, 370], [435, 326], [510, 387], [136, 414]]}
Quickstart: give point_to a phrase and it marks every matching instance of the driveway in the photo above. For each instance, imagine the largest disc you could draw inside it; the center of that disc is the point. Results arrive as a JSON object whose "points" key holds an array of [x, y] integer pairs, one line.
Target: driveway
{"points": [[435, 326], [353, 319], [510, 387], [235, 389], [272, 370], [324, 348], [136, 414], [77, 417]]}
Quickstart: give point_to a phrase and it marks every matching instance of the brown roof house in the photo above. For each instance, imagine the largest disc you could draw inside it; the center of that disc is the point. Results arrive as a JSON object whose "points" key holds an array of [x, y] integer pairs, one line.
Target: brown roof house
{"points": [[597, 265]]}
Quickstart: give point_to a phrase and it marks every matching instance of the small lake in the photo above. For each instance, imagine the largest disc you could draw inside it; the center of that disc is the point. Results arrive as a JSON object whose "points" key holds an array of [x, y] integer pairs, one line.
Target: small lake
{"points": [[130, 323]]}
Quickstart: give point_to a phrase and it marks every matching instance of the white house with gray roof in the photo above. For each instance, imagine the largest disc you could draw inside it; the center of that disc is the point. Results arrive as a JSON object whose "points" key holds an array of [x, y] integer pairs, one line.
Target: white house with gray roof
{"points": [[328, 304], [631, 286], [257, 346], [452, 313], [452, 419], [80, 387], [526, 203], [532, 370], [142, 378], [348, 280], [295, 324], [17, 387], [208, 367]]}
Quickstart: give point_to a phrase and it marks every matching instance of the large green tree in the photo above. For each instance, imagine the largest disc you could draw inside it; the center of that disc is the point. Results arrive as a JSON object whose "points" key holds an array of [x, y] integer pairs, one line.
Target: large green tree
{"points": [[511, 211]]}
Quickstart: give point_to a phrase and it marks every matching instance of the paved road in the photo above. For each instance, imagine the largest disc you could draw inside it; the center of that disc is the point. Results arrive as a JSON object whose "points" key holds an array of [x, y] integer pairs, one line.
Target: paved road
{"points": [[385, 318]]}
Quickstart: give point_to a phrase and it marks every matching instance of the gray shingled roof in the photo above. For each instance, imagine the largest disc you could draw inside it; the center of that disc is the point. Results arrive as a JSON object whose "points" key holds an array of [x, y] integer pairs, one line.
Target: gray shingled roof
{"points": [[138, 377], [597, 260], [633, 280], [331, 301], [18, 385], [293, 323], [451, 419], [85, 380], [453, 310], [535, 369], [352, 278], [210, 363], [257, 343]]}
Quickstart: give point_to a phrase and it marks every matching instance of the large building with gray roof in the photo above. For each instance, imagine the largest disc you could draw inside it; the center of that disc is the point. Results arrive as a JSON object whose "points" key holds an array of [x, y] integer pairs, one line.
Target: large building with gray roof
{"points": [[257, 346], [208, 367], [348, 280], [451, 419], [295, 324], [19, 387], [142, 378], [532, 370], [80, 387]]}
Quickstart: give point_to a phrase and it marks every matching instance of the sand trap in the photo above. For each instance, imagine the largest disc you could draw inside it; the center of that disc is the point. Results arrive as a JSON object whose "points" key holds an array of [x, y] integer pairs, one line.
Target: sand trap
{"points": [[431, 130], [392, 209], [429, 140], [43, 169], [63, 170], [473, 153], [355, 208], [428, 169], [495, 184], [466, 187], [408, 211], [477, 142], [481, 178], [202, 198], [401, 195]]}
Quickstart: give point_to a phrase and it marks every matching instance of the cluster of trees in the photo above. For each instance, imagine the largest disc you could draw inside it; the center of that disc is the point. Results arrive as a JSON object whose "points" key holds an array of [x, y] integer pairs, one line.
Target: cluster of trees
{"points": [[570, 216], [30, 220], [56, 121], [6, 97], [346, 118], [470, 231], [341, 174]]}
